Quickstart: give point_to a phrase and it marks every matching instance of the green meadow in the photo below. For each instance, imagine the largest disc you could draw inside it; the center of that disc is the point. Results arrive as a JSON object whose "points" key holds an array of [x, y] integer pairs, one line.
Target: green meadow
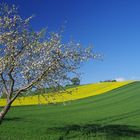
{"points": [[114, 115]]}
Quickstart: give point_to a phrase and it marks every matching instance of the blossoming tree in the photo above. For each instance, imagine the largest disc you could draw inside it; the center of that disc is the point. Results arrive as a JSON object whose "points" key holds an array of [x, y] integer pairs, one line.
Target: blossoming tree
{"points": [[30, 59]]}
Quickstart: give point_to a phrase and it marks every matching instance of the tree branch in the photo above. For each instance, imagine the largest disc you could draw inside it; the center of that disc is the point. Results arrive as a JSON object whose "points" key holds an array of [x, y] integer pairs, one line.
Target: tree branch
{"points": [[30, 84], [4, 84], [12, 82]]}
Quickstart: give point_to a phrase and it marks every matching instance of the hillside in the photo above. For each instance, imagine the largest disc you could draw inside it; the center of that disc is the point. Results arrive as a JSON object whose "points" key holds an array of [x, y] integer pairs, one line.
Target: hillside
{"points": [[114, 115], [80, 92]]}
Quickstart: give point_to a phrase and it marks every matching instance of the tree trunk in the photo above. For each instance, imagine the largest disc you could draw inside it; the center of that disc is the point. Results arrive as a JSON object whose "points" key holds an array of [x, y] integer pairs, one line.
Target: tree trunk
{"points": [[4, 111]]}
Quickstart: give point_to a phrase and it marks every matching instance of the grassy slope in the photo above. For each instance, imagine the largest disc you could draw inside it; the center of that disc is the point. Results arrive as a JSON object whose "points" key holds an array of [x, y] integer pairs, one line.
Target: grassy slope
{"points": [[114, 115]]}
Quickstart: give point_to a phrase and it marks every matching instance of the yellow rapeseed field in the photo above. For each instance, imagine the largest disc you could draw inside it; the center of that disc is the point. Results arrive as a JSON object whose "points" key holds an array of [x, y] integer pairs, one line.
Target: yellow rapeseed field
{"points": [[76, 93]]}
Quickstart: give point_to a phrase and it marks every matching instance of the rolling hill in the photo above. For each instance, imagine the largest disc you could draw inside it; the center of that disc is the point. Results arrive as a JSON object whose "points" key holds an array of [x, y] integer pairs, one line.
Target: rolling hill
{"points": [[79, 92], [114, 115]]}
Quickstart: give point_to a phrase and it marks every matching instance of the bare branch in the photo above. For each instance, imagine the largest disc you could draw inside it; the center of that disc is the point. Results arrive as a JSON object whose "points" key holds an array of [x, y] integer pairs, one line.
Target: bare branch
{"points": [[12, 82], [4, 84]]}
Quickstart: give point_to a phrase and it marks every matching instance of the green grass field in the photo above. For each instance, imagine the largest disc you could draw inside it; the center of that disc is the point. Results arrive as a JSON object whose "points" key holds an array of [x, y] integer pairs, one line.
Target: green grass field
{"points": [[114, 115]]}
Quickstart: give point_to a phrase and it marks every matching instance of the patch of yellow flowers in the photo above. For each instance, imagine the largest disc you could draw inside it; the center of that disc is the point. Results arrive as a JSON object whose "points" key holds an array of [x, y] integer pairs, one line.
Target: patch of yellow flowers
{"points": [[72, 94]]}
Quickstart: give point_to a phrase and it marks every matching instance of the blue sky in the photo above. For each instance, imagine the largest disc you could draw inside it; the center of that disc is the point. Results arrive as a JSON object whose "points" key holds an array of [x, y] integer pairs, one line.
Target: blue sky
{"points": [[111, 26]]}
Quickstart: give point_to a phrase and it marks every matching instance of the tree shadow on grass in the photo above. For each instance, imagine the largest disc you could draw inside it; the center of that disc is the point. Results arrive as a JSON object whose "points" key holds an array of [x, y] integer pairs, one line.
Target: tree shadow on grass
{"points": [[96, 129], [12, 119]]}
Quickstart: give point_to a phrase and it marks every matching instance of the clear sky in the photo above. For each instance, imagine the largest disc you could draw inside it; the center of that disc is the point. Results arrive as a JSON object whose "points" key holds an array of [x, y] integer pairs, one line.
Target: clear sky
{"points": [[111, 26]]}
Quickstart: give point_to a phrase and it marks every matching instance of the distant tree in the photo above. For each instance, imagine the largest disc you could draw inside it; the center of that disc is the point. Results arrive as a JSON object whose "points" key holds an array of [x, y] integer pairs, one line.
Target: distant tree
{"points": [[75, 81], [108, 81], [30, 59]]}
